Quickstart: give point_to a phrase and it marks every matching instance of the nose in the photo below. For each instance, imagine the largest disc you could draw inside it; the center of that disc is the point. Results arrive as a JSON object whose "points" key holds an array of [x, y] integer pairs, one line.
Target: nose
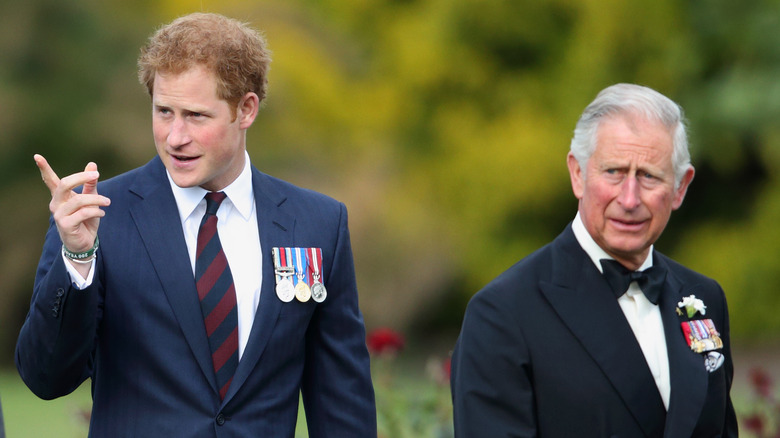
{"points": [[629, 193], [177, 133]]}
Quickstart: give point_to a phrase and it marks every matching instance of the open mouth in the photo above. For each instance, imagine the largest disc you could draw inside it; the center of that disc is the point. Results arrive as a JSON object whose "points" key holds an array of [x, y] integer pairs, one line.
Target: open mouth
{"points": [[183, 158], [628, 224]]}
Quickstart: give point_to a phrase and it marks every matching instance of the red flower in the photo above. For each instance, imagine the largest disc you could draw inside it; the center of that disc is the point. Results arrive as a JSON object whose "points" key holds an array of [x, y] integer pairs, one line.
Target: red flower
{"points": [[762, 382], [384, 341], [754, 424]]}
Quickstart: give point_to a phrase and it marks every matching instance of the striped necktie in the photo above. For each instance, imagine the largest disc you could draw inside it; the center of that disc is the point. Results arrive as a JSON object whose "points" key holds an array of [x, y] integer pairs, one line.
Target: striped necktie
{"points": [[217, 295]]}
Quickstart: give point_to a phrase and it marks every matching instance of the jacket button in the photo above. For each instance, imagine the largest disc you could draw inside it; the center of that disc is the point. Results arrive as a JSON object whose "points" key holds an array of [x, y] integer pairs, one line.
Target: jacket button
{"points": [[220, 419], [60, 292]]}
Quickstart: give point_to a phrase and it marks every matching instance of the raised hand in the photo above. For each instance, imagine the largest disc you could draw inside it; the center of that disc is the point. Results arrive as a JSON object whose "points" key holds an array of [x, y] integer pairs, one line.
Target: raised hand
{"points": [[77, 215]]}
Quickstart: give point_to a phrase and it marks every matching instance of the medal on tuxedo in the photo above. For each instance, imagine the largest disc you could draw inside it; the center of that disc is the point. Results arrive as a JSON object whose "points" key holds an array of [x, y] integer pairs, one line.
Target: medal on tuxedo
{"points": [[701, 335]]}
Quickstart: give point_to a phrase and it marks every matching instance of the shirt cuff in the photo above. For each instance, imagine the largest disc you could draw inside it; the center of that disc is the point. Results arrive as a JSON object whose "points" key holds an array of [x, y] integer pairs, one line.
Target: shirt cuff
{"points": [[78, 281]]}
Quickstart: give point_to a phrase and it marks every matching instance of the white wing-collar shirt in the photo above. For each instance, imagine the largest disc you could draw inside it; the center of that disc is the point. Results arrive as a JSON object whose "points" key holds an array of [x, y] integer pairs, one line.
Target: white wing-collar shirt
{"points": [[643, 316]]}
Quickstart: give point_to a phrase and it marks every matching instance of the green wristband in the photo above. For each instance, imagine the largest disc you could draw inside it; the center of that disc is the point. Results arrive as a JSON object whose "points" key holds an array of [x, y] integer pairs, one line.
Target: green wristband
{"points": [[78, 256]]}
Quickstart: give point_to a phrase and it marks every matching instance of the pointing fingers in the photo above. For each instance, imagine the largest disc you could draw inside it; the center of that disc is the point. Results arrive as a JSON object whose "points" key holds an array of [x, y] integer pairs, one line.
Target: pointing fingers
{"points": [[77, 215], [47, 174]]}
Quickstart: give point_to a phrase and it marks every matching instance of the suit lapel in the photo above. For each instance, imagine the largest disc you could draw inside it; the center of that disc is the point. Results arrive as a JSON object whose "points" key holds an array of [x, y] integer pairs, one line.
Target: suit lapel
{"points": [[157, 219], [688, 377], [582, 299], [276, 230]]}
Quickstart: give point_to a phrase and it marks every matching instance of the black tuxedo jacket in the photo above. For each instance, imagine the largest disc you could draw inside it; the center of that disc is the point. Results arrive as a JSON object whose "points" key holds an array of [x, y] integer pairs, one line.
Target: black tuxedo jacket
{"points": [[138, 331], [546, 351]]}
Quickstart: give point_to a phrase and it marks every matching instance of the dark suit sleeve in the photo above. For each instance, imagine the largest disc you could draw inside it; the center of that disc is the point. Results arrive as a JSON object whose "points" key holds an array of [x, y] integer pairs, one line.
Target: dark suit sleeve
{"points": [[55, 345], [337, 392], [491, 373], [2, 425]]}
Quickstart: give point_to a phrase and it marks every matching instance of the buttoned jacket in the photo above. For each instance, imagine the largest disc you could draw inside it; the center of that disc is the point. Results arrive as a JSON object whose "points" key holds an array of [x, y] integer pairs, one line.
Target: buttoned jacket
{"points": [[138, 332]]}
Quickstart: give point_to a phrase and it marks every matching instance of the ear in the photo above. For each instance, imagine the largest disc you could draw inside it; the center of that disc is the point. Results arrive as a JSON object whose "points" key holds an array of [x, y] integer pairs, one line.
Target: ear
{"points": [[679, 193], [247, 110], [576, 175]]}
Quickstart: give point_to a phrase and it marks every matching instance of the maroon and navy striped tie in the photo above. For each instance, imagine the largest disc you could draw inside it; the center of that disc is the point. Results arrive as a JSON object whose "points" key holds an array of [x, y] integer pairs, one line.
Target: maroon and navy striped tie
{"points": [[217, 295]]}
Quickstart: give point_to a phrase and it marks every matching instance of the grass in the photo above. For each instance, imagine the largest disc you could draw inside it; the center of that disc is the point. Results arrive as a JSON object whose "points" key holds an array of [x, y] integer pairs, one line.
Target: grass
{"points": [[410, 405], [26, 415]]}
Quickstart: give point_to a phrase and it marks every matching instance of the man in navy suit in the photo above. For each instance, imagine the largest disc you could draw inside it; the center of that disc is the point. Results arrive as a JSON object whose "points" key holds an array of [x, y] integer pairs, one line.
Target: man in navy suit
{"points": [[2, 425], [124, 289], [597, 334]]}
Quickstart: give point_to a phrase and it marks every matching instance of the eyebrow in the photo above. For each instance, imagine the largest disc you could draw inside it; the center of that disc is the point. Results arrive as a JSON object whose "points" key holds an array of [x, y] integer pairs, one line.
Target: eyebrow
{"points": [[650, 169], [186, 110]]}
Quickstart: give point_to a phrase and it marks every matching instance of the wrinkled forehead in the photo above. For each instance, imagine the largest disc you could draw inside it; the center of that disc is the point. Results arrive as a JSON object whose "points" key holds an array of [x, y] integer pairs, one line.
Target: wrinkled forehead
{"points": [[630, 138], [638, 121]]}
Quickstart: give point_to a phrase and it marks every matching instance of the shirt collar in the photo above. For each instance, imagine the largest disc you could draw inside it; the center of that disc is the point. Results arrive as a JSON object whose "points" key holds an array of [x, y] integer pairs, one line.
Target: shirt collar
{"points": [[239, 193], [594, 251]]}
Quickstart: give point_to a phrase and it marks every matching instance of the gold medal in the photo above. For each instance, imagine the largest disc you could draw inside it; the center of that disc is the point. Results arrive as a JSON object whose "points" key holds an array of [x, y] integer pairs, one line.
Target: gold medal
{"points": [[302, 291]]}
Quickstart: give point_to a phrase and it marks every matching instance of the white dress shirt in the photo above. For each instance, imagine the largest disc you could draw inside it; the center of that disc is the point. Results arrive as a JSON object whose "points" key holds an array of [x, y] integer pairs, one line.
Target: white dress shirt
{"points": [[643, 316], [238, 233]]}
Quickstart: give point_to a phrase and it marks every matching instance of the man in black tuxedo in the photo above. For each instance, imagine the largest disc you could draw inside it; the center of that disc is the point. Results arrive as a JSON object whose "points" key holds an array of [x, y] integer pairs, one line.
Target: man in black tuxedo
{"points": [[597, 334]]}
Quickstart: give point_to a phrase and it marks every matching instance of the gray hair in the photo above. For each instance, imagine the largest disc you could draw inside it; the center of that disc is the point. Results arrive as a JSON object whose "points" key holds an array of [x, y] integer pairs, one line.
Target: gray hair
{"points": [[630, 99]]}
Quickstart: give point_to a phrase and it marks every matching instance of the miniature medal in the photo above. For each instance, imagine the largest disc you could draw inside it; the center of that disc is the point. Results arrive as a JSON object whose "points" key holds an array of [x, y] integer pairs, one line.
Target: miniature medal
{"points": [[701, 335], [302, 291], [284, 287], [285, 290], [318, 291]]}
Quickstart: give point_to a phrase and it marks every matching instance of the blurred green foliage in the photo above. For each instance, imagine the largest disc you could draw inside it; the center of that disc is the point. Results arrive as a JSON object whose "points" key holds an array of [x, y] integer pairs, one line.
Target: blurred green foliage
{"points": [[442, 124]]}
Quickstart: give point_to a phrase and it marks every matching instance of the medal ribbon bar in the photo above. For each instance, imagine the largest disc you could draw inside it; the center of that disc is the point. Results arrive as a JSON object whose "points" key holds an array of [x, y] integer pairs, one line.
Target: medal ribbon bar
{"points": [[315, 264]]}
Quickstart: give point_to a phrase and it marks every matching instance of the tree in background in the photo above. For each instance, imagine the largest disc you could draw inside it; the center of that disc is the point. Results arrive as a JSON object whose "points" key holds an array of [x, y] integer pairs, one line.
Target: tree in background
{"points": [[443, 125]]}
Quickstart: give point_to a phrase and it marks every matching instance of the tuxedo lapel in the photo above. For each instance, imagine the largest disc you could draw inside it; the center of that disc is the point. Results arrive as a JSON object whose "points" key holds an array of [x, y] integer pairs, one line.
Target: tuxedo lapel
{"points": [[582, 299], [157, 219], [688, 377], [276, 230]]}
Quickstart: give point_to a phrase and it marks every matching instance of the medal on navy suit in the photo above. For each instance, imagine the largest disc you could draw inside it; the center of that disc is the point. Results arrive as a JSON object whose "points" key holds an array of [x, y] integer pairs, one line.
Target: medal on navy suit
{"points": [[149, 354]]}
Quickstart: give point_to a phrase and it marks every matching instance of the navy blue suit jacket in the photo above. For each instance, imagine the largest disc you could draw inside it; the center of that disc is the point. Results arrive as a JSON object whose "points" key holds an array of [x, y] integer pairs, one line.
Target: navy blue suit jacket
{"points": [[137, 331], [546, 351]]}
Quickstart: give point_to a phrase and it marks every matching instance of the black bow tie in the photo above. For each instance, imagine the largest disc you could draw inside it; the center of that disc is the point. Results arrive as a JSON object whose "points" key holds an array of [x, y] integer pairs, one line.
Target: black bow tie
{"points": [[651, 280]]}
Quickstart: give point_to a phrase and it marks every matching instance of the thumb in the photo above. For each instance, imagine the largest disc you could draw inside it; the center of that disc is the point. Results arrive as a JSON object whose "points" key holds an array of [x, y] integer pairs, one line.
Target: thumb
{"points": [[90, 187]]}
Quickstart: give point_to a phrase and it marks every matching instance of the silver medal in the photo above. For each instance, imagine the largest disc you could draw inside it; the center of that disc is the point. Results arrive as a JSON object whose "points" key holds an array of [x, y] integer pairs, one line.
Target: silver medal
{"points": [[284, 287], [318, 291], [285, 290]]}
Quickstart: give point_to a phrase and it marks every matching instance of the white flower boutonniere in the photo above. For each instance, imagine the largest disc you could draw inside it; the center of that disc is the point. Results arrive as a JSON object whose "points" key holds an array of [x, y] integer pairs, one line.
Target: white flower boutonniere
{"points": [[691, 304]]}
